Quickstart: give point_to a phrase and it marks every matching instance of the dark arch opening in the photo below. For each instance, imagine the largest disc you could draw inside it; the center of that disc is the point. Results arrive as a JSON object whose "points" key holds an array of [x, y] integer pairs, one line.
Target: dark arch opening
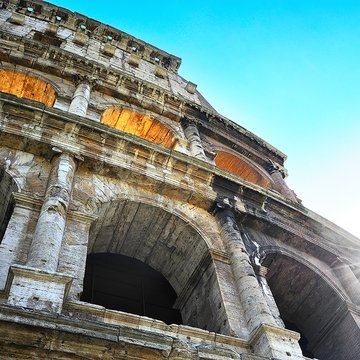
{"points": [[303, 342], [310, 305], [122, 283], [7, 188]]}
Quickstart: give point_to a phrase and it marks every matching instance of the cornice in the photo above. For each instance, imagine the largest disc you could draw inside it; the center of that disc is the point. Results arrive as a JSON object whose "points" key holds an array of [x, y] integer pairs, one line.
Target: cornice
{"points": [[66, 64]]}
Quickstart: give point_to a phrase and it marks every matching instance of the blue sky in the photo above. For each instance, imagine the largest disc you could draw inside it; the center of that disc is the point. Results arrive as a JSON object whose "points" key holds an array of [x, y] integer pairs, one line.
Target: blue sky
{"points": [[286, 70]]}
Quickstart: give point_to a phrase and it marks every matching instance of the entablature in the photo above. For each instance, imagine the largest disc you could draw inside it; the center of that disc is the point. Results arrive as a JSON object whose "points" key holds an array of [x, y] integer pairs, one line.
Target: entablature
{"points": [[29, 126]]}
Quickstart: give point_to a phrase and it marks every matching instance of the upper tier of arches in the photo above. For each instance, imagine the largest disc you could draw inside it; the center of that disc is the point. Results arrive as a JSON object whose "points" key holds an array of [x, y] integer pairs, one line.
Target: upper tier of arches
{"points": [[32, 87]]}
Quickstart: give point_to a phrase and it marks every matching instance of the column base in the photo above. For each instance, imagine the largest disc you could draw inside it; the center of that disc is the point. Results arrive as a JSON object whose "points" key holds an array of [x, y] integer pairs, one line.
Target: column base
{"points": [[276, 342], [37, 289]]}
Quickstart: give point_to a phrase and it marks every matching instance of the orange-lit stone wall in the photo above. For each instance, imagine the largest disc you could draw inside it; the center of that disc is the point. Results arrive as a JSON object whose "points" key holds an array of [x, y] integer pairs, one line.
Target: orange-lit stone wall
{"points": [[241, 168], [140, 125], [26, 86]]}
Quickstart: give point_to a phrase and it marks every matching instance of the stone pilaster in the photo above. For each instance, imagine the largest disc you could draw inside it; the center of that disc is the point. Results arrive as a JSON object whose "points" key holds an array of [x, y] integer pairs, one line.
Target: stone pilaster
{"points": [[348, 280], [278, 174], [192, 135], [261, 272], [81, 97], [74, 250], [14, 245]]}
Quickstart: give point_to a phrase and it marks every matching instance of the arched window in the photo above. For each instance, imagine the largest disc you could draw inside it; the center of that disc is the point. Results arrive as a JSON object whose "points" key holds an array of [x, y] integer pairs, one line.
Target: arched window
{"points": [[241, 168], [122, 283], [140, 125], [27, 87]]}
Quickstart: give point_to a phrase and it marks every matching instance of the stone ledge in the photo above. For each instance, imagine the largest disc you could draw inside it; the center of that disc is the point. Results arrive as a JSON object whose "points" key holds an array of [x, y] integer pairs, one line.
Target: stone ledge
{"points": [[118, 318], [22, 327]]}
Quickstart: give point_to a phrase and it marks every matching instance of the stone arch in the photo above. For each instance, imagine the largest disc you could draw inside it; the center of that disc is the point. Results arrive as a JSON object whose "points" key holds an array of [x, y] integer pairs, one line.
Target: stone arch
{"points": [[27, 86], [140, 125], [309, 302], [170, 245], [238, 165]]}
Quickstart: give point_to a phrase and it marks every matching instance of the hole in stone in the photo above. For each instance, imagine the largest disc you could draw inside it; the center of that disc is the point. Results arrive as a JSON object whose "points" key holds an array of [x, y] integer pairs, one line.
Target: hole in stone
{"points": [[58, 18], [157, 59], [83, 27], [288, 354], [134, 49], [109, 37], [36, 298], [30, 9]]}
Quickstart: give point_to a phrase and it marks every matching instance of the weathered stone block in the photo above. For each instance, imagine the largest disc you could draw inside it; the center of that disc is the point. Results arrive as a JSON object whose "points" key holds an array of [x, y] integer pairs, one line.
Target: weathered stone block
{"points": [[134, 60], [160, 72], [80, 39], [52, 28], [17, 19], [108, 50], [36, 289], [190, 87]]}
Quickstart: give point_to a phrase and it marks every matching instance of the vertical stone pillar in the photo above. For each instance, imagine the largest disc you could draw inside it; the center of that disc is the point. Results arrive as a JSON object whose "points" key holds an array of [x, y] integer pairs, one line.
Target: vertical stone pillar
{"points": [[256, 310], [38, 285], [261, 272], [81, 97], [266, 337], [15, 243], [278, 174], [74, 249], [348, 280], [192, 134], [46, 244]]}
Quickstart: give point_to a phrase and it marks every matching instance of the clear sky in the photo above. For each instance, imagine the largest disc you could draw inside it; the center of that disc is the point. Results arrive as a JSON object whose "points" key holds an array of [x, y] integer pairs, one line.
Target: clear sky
{"points": [[289, 71]]}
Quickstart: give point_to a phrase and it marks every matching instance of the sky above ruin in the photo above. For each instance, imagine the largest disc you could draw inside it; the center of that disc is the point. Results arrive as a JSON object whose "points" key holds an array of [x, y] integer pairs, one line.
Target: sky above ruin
{"points": [[286, 70]]}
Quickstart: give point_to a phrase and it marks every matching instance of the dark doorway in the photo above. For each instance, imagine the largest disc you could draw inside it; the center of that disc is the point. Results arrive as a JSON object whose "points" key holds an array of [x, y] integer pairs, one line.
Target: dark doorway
{"points": [[122, 283], [303, 342]]}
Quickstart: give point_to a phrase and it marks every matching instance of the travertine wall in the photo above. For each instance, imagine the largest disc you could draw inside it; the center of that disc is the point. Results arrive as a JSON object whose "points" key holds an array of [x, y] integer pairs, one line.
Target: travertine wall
{"points": [[241, 254]]}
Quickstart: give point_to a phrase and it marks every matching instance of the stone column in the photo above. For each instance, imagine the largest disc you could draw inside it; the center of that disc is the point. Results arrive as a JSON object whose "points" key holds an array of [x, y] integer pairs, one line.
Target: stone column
{"points": [[81, 97], [46, 244], [266, 337], [192, 134], [278, 174], [38, 285], [256, 310]]}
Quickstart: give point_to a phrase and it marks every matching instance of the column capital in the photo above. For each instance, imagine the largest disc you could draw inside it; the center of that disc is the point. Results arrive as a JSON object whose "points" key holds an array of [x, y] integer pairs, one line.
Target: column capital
{"points": [[60, 150], [187, 121], [275, 167], [27, 201], [88, 79]]}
